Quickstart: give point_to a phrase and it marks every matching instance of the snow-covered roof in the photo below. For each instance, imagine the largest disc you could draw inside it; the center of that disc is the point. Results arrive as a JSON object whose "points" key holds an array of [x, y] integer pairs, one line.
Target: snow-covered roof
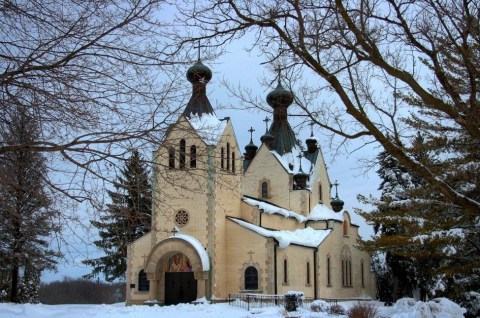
{"points": [[305, 237], [273, 209], [197, 246], [321, 212], [208, 127], [292, 159]]}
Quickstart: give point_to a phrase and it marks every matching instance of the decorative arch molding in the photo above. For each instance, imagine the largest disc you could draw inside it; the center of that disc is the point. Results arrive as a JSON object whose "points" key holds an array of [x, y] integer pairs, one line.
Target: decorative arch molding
{"points": [[187, 245]]}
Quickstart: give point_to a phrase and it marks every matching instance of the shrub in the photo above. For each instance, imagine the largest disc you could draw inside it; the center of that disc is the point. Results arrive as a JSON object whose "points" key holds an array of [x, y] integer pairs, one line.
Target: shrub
{"points": [[337, 309], [362, 310], [293, 300], [319, 306]]}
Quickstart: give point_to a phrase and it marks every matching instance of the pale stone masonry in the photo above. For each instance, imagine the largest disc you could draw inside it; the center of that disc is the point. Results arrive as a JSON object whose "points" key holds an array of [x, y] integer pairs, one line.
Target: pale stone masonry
{"points": [[260, 223]]}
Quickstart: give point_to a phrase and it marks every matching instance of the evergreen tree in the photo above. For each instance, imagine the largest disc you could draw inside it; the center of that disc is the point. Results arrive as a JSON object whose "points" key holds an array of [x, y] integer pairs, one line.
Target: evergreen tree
{"points": [[127, 218], [26, 213], [428, 244]]}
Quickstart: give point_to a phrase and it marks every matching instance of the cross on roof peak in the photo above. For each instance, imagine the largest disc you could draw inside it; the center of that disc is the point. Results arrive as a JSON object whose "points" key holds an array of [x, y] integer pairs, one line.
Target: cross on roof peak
{"points": [[251, 130]]}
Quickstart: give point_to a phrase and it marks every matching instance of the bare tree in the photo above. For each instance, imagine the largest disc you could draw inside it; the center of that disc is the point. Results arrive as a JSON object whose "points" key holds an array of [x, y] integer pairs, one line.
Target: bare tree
{"points": [[384, 68], [96, 74]]}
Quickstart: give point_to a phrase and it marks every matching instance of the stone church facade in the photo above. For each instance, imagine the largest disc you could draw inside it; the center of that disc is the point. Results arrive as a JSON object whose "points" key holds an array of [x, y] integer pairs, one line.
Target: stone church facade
{"points": [[262, 222]]}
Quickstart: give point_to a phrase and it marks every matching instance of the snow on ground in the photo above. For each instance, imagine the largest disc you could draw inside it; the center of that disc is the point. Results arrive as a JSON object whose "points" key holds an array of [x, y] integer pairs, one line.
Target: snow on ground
{"points": [[404, 308]]}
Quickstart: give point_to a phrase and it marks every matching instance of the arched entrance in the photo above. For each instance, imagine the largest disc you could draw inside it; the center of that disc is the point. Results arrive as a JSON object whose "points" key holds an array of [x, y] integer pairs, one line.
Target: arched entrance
{"points": [[177, 269], [180, 283]]}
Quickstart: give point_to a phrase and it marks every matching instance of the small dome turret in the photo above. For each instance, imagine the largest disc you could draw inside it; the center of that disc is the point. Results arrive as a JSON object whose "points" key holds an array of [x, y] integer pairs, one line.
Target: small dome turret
{"points": [[311, 141], [251, 148], [300, 178], [336, 203]]}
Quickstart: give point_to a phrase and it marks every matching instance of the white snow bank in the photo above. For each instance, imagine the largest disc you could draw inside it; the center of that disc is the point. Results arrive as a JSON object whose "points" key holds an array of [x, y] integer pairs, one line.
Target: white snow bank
{"points": [[321, 212], [272, 209], [305, 237], [436, 308], [208, 127]]}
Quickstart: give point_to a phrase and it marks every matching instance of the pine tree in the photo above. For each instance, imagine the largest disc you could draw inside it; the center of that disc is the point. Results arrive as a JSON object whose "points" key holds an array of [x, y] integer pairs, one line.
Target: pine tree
{"points": [[26, 213], [428, 244], [127, 218]]}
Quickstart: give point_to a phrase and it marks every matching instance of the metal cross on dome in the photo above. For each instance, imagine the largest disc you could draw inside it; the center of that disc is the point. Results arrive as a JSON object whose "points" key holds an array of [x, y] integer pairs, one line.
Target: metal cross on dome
{"points": [[266, 120], [198, 47], [251, 130], [300, 156]]}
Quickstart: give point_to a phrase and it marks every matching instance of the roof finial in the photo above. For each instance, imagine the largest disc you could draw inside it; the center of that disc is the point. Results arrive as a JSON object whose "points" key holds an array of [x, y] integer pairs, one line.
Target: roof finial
{"points": [[300, 156], [266, 120], [336, 184], [198, 47], [251, 130], [311, 128], [278, 69]]}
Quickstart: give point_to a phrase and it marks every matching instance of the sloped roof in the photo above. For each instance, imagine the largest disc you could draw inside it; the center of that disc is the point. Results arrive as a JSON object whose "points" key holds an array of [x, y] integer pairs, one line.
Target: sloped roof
{"points": [[208, 127], [273, 209]]}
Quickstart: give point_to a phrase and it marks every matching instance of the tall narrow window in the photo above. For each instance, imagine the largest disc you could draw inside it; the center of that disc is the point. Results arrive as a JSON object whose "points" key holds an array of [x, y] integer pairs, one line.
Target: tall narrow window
{"points": [[143, 283], [171, 158], [193, 157], [264, 189], [182, 154], [285, 271], [251, 278], [308, 273], [346, 267], [222, 158], [233, 162], [362, 273], [320, 194], [329, 281], [228, 156]]}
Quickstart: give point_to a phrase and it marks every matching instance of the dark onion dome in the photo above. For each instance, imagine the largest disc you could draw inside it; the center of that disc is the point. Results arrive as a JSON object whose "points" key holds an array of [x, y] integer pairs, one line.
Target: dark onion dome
{"points": [[199, 73], [280, 97], [311, 144], [300, 180], [284, 138], [337, 204], [250, 150], [267, 139]]}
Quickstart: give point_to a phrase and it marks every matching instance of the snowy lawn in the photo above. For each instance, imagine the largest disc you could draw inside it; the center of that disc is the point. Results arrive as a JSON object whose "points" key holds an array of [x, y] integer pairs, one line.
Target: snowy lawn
{"points": [[404, 308]]}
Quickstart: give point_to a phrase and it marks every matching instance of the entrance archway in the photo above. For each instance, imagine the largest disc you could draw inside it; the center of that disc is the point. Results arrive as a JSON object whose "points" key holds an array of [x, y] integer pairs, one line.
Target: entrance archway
{"points": [[180, 283], [177, 269]]}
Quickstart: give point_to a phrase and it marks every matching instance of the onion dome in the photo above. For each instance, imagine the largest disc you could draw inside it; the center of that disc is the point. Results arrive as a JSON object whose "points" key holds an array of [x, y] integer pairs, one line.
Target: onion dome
{"points": [[284, 139], [300, 180], [251, 148], [311, 144], [199, 75], [280, 97], [336, 203]]}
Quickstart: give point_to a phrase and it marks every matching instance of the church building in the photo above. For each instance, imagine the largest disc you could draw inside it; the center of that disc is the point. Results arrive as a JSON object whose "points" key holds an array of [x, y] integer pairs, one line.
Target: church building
{"points": [[261, 222]]}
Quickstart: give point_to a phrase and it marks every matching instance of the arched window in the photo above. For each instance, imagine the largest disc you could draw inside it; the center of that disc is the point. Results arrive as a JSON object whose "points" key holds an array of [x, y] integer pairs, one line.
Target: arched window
{"points": [[285, 271], [233, 162], [251, 278], [182, 154], [308, 273], [193, 157], [143, 283], [222, 158], [171, 158], [264, 189], [228, 156]]}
